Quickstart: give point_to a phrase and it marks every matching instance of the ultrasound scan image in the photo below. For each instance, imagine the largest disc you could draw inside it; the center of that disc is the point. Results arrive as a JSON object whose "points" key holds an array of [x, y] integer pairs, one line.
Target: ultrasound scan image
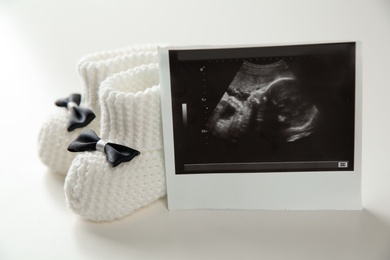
{"points": [[265, 99], [264, 109]]}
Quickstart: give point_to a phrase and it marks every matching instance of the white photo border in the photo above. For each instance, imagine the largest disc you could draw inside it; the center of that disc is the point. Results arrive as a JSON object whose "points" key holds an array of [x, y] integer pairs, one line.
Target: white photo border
{"points": [[268, 191]]}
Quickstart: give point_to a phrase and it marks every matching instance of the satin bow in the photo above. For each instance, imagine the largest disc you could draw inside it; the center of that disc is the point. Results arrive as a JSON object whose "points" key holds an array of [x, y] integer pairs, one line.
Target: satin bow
{"points": [[79, 116], [116, 153]]}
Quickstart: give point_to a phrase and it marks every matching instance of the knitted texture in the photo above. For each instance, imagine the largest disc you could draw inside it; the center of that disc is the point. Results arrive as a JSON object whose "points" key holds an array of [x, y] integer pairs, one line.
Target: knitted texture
{"points": [[131, 116], [53, 140], [94, 68]]}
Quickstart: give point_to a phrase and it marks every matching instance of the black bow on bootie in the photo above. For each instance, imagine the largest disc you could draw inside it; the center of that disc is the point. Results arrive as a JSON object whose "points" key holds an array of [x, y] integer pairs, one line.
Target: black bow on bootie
{"points": [[79, 116], [116, 153]]}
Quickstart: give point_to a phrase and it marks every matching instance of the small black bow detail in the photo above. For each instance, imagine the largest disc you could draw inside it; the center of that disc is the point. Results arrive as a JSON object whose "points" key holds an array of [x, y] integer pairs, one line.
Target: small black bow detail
{"points": [[116, 153], [79, 116]]}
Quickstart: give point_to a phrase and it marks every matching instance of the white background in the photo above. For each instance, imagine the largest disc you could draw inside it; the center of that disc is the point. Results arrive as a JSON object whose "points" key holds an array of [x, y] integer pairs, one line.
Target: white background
{"points": [[40, 43]]}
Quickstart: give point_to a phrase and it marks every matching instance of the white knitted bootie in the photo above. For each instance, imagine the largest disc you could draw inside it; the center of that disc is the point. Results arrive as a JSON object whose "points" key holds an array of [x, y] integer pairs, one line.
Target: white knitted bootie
{"points": [[130, 116], [55, 136]]}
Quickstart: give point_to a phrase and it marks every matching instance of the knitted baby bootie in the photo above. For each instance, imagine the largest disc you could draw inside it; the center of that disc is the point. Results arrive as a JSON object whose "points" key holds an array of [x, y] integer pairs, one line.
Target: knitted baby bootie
{"points": [[69, 119], [95, 187]]}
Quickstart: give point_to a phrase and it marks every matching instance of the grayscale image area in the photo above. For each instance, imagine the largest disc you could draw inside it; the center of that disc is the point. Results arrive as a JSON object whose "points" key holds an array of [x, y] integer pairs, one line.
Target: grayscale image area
{"points": [[264, 109], [264, 98]]}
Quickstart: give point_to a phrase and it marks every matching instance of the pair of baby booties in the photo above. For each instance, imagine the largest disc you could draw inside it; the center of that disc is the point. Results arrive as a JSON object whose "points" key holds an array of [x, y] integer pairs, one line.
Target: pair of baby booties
{"points": [[121, 93]]}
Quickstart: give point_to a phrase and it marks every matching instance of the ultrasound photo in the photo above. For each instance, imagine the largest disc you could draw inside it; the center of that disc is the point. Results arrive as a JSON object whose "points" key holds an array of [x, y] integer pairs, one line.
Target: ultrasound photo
{"points": [[264, 109], [266, 99]]}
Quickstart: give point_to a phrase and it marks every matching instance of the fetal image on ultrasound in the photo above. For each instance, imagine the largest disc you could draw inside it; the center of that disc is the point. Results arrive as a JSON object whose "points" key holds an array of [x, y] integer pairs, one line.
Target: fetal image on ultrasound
{"points": [[263, 109], [266, 100]]}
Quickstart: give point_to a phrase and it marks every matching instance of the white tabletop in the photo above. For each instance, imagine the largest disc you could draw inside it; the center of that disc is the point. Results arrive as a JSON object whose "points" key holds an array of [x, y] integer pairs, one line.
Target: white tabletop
{"points": [[40, 43]]}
